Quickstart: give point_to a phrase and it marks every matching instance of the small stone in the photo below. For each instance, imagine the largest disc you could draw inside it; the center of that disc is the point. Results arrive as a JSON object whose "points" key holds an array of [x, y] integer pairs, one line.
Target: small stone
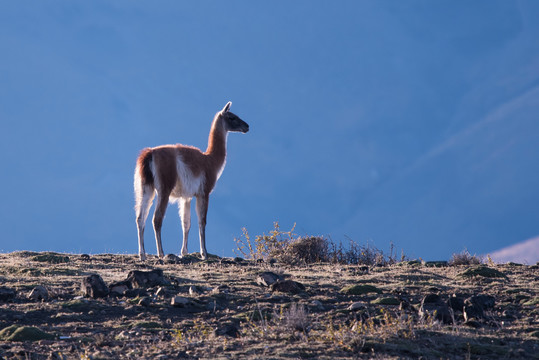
{"points": [[268, 278], [179, 301], [318, 305], [172, 259], [221, 289], [229, 329], [94, 286], [193, 290], [120, 287], [39, 293], [288, 286], [161, 292], [133, 293], [145, 301], [437, 309], [484, 301], [431, 298], [85, 257], [456, 303], [442, 263], [472, 311], [358, 305]]}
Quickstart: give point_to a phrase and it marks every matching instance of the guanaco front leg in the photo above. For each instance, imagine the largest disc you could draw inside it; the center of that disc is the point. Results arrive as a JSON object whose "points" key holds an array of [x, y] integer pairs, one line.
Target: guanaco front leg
{"points": [[202, 211], [185, 214]]}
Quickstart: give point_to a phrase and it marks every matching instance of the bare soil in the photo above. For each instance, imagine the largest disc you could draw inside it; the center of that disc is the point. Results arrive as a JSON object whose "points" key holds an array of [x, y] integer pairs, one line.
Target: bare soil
{"points": [[223, 312]]}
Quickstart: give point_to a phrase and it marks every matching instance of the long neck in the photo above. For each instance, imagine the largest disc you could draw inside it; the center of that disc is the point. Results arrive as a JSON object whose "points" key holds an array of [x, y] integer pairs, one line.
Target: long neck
{"points": [[217, 141]]}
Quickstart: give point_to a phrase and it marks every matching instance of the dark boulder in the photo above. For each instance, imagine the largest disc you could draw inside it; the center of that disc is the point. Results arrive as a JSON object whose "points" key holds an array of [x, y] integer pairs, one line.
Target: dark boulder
{"points": [[288, 286], [146, 279], [268, 278], [93, 286]]}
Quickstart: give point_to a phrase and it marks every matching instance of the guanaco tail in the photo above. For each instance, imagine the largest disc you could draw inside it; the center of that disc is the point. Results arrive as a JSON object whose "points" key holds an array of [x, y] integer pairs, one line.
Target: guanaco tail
{"points": [[177, 173]]}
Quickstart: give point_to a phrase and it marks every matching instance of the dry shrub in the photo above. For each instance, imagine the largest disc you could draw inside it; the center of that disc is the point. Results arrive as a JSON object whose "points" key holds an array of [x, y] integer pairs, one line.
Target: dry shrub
{"points": [[464, 258], [356, 254], [308, 250], [288, 249], [295, 318], [264, 246]]}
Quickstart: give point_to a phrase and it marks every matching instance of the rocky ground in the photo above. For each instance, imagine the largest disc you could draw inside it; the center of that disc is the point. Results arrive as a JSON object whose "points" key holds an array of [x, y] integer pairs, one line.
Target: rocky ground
{"points": [[65, 306]]}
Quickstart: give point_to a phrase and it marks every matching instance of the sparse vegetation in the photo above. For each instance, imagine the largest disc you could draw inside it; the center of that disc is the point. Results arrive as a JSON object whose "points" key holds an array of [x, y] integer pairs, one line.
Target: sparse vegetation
{"points": [[465, 258], [352, 303], [286, 247]]}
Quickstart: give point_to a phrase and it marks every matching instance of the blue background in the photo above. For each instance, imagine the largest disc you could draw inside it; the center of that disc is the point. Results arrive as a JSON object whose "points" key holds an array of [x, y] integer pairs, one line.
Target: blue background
{"points": [[409, 122]]}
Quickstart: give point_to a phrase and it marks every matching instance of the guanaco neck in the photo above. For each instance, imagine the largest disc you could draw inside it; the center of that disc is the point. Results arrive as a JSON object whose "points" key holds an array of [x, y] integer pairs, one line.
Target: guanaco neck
{"points": [[217, 142]]}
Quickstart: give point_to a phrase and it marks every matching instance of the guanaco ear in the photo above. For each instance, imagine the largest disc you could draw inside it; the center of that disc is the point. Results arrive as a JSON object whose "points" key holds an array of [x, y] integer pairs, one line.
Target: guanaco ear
{"points": [[227, 107]]}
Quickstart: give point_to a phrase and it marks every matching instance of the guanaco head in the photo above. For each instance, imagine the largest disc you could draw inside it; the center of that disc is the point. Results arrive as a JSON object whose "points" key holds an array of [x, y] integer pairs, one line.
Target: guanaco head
{"points": [[232, 121]]}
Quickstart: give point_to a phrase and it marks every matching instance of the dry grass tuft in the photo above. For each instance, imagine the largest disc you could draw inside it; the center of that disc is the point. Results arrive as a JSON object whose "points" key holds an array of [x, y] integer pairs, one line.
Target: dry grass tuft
{"points": [[465, 258]]}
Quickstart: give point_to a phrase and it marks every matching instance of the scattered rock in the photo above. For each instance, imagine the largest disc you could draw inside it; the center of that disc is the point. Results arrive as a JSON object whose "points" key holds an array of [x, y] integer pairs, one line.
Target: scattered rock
{"points": [[6, 293], [436, 263], [471, 311], [287, 286], [432, 298], [24, 333], [194, 290], [93, 286], [410, 263], [456, 303], [228, 328], [268, 278], [360, 290], [179, 301], [358, 305], [120, 287], [39, 293], [221, 289], [363, 269], [437, 309], [172, 259], [145, 301], [484, 301], [189, 259], [85, 257], [145, 279], [317, 304], [133, 293], [161, 292]]}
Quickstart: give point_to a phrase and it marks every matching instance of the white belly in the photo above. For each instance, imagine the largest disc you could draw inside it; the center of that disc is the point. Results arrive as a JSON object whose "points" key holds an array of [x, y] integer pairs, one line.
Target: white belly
{"points": [[187, 184]]}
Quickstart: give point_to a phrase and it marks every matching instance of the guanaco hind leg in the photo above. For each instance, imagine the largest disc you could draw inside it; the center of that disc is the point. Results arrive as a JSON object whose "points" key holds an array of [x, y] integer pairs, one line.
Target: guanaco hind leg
{"points": [[144, 202], [159, 214]]}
